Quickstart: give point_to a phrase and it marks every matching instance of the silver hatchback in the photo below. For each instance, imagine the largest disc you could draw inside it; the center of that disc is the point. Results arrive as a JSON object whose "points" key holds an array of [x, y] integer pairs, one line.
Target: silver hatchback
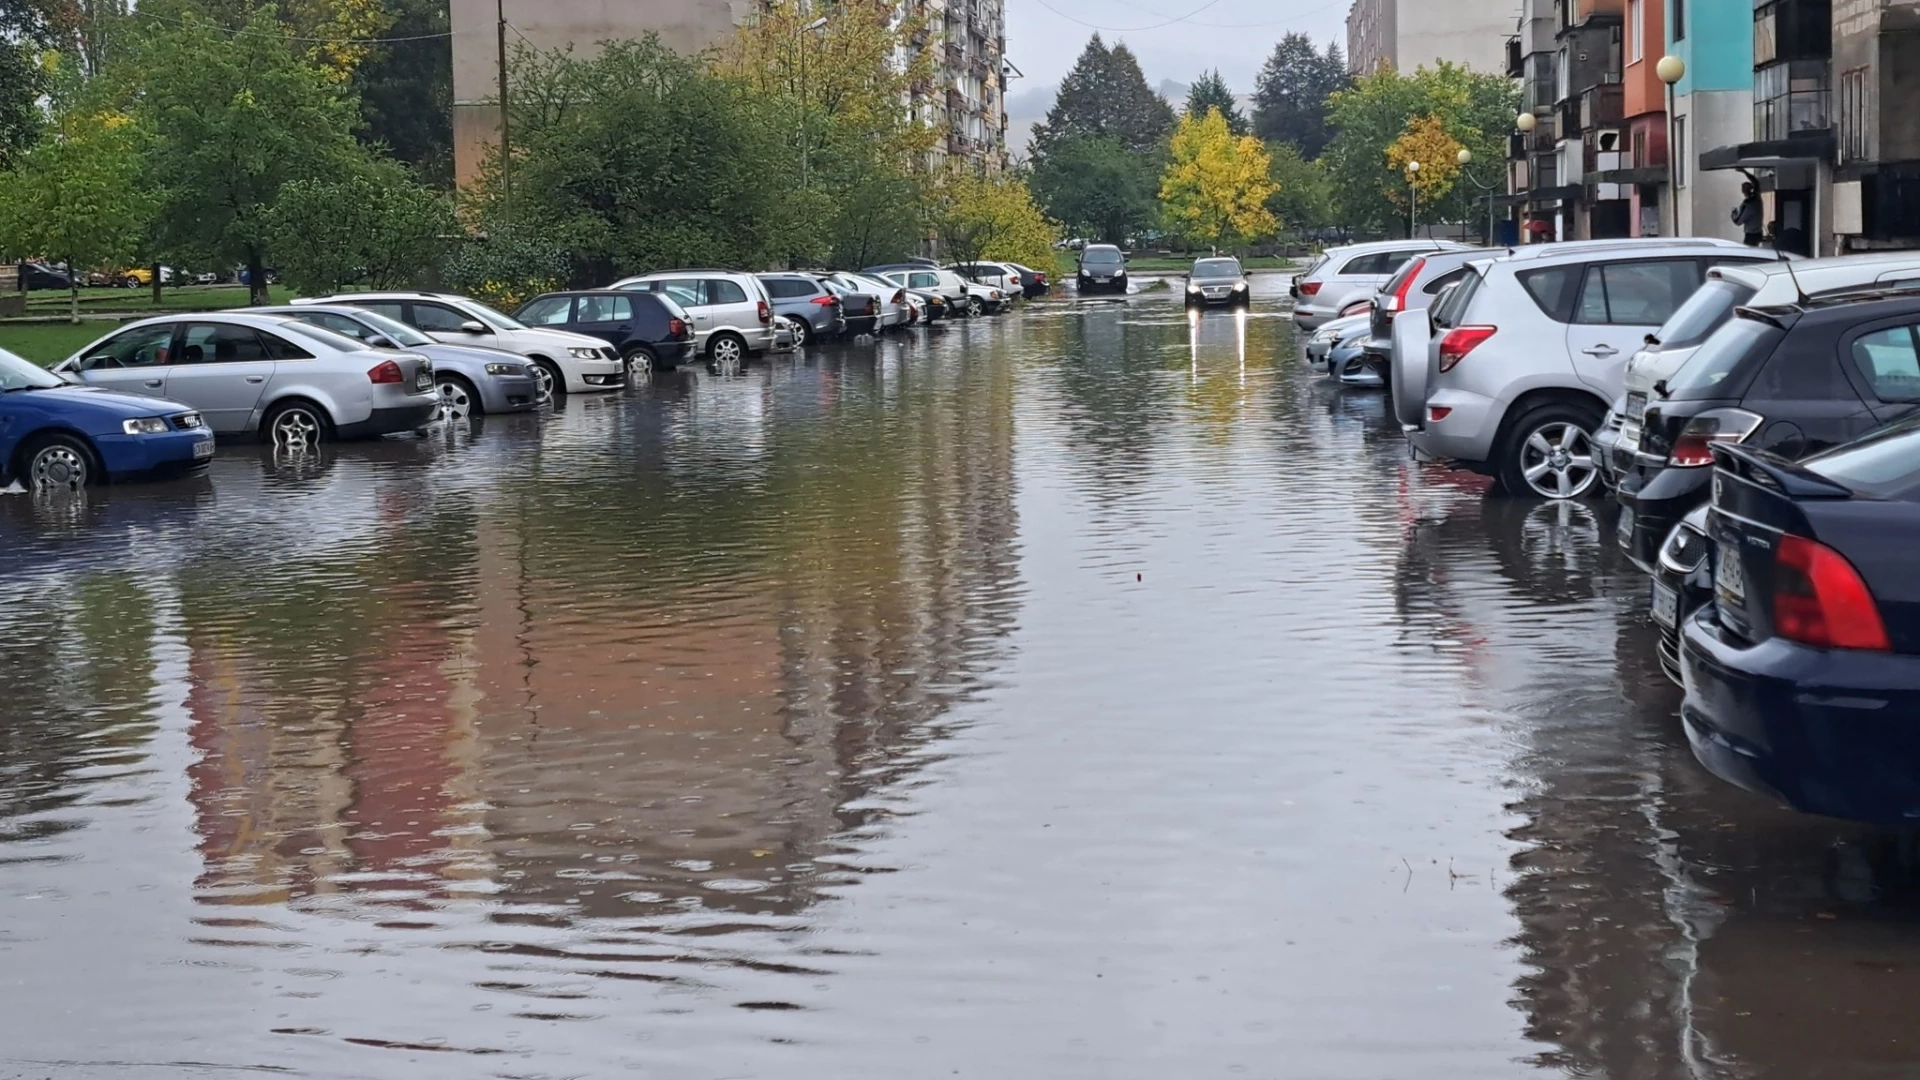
{"points": [[296, 384]]}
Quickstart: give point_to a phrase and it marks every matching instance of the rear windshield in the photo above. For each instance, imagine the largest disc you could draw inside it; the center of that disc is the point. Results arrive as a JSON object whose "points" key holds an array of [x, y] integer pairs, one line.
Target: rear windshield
{"points": [[1216, 268], [1708, 309], [1706, 372], [1880, 464], [1098, 257], [1454, 305], [1400, 277]]}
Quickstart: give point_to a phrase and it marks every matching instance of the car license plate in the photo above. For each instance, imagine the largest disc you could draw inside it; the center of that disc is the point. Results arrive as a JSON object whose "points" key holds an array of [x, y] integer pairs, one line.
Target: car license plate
{"points": [[1729, 577], [203, 449], [1666, 606], [1624, 531], [1631, 420], [1101, 279]]}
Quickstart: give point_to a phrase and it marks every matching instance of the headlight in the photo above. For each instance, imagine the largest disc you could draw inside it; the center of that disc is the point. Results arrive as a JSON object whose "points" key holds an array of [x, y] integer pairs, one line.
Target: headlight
{"points": [[146, 425], [1239, 286], [505, 369], [584, 354], [1193, 288]]}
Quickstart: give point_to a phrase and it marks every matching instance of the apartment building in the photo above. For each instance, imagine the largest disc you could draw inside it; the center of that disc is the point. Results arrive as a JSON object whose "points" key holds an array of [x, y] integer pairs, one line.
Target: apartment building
{"points": [[1712, 106], [1407, 34], [1876, 175], [966, 97]]}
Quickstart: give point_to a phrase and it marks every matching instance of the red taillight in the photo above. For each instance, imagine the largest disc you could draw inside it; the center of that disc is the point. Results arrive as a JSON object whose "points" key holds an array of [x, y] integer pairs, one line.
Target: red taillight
{"points": [[1309, 288], [826, 301], [1437, 413], [766, 313], [900, 297], [387, 372], [1460, 341], [676, 327], [1399, 301], [1695, 445], [1819, 599]]}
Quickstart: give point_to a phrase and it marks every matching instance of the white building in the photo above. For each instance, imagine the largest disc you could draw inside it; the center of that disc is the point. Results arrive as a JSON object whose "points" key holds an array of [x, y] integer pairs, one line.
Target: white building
{"points": [[1408, 34]]}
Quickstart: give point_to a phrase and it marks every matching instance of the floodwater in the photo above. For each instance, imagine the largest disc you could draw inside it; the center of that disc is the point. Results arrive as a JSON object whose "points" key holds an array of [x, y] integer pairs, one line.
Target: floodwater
{"points": [[1087, 692]]}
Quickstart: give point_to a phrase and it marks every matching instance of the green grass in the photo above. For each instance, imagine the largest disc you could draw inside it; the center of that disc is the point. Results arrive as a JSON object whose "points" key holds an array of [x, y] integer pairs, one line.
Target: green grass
{"points": [[1066, 262], [50, 343], [140, 301]]}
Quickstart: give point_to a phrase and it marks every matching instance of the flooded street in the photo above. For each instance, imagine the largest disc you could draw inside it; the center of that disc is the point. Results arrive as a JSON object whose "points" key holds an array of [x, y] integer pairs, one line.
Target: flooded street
{"points": [[1086, 692]]}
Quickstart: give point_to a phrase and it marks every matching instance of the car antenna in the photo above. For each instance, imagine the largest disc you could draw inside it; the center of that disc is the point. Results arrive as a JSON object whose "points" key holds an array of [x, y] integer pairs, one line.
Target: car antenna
{"points": [[1800, 294]]}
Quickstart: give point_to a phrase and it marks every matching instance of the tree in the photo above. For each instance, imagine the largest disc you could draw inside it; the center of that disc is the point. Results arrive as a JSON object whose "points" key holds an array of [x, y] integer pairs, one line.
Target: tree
{"points": [[29, 31], [405, 87], [77, 195], [1210, 91], [979, 215], [335, 36], [1216, 187], [1098, 189], [1106, 95], [1290, 95], [234, 117], [374, 225], [1302, 199], [1425, 141]]}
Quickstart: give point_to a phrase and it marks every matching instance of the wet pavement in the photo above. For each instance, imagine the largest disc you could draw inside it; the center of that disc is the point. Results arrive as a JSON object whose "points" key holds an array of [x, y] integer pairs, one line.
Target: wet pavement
{"points": [[1088, 692]]}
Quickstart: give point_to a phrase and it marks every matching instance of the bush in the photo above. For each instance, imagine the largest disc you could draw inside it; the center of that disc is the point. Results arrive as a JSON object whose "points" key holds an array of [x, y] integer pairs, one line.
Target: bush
{"points": [[505, 268]]}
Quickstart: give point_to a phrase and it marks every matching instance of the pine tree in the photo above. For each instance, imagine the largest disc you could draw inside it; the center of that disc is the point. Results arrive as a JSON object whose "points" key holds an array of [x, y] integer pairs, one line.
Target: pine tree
{"points": [[1105, 95], [1210, 91], [1290, 96]]}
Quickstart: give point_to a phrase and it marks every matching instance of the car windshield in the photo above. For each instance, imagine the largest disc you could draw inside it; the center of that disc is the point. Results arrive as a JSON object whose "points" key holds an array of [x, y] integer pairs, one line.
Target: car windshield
{"points": [[19, 374], [1707, 310], [491, 317], [396, 331], [1719, 356], [1100, 257], [1216, 268], [331, 339], [1879, 464]]}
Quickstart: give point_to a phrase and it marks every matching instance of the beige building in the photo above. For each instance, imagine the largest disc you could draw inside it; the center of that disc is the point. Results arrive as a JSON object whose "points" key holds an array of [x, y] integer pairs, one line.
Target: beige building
{"points": [[1407, 34], [968, 37]]}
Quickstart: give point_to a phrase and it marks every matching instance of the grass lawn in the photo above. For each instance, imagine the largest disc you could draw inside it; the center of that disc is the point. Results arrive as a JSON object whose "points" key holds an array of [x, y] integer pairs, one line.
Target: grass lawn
{"points": [[50, 343], [1066, 262], [176, 298]]}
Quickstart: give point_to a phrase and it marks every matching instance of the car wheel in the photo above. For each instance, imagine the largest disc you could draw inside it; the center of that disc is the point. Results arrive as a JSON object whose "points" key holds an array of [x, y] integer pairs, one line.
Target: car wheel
{"points": [[58, 463], [549, 385], [131, 282], [458, 400], [297, 425], [802, 332], [641, 364], [1550, 453], [727, 348], [974, 307]]}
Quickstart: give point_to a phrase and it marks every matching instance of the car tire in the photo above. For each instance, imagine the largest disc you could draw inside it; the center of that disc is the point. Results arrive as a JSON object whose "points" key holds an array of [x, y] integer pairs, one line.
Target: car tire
{"points": [[458, 398], [640, 361], [727, 348], [974, 307], [1541, 453], [130, 282], [552, 383], [802, 333], [296, 425], [57, 462]]}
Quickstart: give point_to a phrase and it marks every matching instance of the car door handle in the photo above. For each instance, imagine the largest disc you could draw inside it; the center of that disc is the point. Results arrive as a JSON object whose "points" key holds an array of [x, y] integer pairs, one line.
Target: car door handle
{"points": [[256, 378], [1600, 350], [624, 326], [155, 383]]}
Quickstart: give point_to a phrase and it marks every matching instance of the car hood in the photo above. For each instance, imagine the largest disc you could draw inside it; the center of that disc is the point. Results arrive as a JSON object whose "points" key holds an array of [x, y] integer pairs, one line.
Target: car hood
{"points": [[558, 339], [1339, 328], [107, 403], [473, 354]]}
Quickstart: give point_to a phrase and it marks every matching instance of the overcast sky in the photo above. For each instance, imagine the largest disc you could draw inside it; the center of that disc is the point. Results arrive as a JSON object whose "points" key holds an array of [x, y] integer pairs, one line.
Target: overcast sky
{"points": [[1174, 39]]}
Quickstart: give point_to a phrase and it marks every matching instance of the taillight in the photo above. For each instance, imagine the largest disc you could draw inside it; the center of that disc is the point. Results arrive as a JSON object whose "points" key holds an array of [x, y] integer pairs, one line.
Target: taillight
{"points": [[826, 301], [1694, 446], [1398, 302], [900, 297], [766, 313], [1309, 288], [1819, 599], [1460, 341], [387, 372], [676, 327]]}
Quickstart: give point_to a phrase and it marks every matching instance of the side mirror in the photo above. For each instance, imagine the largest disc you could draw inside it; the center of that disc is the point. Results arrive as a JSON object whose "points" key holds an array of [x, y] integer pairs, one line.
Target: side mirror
{"points": [[474, 326], [379, 341]]}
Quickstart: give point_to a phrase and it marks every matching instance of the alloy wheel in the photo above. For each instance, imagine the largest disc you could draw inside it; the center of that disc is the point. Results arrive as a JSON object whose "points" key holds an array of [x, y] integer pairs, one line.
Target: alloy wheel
{"points": [[639, 366], [974, 307], [296, 429], [727, 350], [1557, 460], [802, 333], [58, 468], [455, 402], [543, 384]]}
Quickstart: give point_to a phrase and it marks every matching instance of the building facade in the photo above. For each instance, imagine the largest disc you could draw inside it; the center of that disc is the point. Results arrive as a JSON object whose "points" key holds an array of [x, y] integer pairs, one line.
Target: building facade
{"points": [[1712, 106], [966, 97], [1408, 34]]}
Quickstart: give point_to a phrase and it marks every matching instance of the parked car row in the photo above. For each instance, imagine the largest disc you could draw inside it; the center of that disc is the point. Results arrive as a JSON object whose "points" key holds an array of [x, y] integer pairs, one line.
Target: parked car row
{"points": [[1763, 442]]}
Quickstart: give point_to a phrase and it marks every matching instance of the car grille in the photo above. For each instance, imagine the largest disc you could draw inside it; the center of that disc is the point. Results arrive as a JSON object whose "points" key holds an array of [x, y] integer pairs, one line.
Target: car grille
{"points": [[1684, 549], [190, 421], [1669, 652]]}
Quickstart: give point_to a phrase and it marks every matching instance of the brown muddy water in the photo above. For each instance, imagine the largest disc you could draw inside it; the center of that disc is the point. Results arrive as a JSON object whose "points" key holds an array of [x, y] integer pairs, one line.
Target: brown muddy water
{"points": [[1086, 692]]}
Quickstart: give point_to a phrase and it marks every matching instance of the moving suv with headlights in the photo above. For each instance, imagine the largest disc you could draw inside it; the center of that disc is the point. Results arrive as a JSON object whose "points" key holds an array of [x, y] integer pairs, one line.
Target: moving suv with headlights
{"points": [[731, 311], [1527, 352]]}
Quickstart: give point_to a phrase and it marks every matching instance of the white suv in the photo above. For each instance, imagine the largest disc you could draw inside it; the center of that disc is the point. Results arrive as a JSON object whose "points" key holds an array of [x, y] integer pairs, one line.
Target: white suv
{"points": [[563, 363], [732, 313], [1342, 280], [1527, 352]]}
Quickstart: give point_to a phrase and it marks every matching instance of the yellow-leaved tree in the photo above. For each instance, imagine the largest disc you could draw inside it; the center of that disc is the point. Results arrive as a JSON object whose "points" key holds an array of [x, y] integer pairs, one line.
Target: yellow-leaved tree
{"points": [[981, 215], [1216, 186], [1426, 141]]}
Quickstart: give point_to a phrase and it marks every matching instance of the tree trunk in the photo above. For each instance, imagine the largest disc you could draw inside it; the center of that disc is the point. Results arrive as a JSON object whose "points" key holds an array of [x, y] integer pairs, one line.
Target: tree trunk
{"points": [[156, 284], [256, 279]]}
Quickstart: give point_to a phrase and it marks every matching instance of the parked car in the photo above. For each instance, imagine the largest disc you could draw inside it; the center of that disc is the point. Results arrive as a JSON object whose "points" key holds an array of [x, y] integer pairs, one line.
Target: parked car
{"points": [[1803, 674], [1794, 380], [1763, 284], [894, 312], [999, 275], [732, 313], [55, 436], [1103, 268], [1414, 287], [920, 277], [1321, 343], [1682, 585], [649, 331], [1528, 350], [1217, 281], [140, 277], [36, 275], [861, 304], [471, 380], [563, 362], [1342, 280], [986, 299], [294, 383], [1032, 282], [815, 309]]}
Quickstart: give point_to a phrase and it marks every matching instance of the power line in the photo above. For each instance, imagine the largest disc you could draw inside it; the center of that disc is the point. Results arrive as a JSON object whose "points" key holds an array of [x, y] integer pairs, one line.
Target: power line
{"points": [[1128, 29]]}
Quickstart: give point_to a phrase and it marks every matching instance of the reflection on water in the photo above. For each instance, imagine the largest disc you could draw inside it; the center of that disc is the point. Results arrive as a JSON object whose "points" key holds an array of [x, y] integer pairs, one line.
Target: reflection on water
{"points": [[1088, 692]]}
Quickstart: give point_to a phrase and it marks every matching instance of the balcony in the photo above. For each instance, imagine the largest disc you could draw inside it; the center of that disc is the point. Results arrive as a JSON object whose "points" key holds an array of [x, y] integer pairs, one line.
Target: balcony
{"points": [[1790, 99], [1516, 59], [956, 55], [1602, 106], [956, 101], [1516, 146], [1543, 136], [1567, 115]]}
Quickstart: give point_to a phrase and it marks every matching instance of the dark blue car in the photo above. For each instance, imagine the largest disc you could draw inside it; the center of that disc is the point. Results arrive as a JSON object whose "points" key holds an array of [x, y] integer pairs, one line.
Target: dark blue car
{"points": [[55, 436], [1803, 675]]}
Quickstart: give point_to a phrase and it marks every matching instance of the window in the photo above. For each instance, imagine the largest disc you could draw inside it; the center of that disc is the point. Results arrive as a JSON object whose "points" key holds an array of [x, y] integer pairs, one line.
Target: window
{"points": [[282, 349], [1720, 356], [1890, 362], [687, 292], [1856, 116], [922, 281], [1679, 151], [438, 319], [1879, 464], [1364, 266], [722, 291], [145, 347], [605, 309], [788, 288], [1708, 309], [1636, 33], [392, 309], [547, 311], [1432, 288], [1679, 19], [1789, 97], [1637, 294], [1552, 288], [340, 324], [221, 343]]}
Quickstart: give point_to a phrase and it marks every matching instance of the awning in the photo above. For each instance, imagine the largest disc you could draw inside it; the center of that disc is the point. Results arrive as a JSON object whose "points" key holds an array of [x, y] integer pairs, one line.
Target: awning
{"points": [[1627, 176], [1555, 194], [1771, 153]]}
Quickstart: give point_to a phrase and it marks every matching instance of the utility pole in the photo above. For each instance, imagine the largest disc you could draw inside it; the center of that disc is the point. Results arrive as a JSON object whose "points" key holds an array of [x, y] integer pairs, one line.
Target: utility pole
{"points": [[506, 145]]}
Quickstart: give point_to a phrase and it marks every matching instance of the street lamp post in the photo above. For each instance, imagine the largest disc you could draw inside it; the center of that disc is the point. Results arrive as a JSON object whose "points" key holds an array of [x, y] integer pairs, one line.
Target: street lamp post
{"points": [[1465, 158], [1413, 197], [1524, 124], [1672, 69], [806, 114]]}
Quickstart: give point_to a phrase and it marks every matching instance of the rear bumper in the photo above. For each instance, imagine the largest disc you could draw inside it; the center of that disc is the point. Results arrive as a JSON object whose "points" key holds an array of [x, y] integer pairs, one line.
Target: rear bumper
{"points": [[132, 458], [1825, 731], [1465, 434], [1656, 500], [392, 421]]}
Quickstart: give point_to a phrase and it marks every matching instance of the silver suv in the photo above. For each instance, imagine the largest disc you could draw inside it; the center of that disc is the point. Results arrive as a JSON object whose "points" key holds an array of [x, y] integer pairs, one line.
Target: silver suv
{"points": [[731, 311], [1342, 280], [1527, 352]]}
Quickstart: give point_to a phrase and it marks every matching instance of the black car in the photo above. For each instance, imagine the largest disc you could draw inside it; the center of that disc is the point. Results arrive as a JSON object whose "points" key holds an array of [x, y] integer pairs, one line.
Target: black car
{"points": [[1792, 380], [1682, 584], [1103, 268], [1217, 281], [1032, 282], [35, 275], [636, 324]]}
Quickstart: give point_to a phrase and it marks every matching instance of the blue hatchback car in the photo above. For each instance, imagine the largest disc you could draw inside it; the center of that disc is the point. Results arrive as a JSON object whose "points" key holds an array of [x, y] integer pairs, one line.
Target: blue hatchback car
{"points": [[55, 436], [1803, 675]]}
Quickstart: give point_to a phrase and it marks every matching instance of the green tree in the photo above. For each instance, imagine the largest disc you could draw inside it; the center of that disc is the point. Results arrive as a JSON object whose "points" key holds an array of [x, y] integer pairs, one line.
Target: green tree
{"points": [[1302, 200], [1210, 91], [1096, 188], [77, 195], [1216, 187], [374, 225], [234, 118], [1290, 95], [1106, 95], [405, 85], [980, 215], [29, 31]]}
